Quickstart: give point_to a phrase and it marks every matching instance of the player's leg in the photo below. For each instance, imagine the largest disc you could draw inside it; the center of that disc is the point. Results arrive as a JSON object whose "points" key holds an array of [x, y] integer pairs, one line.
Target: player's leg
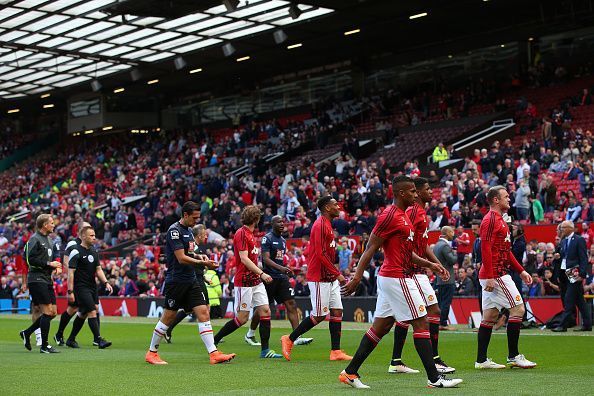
{"points": [[36, 319], [35, 314], [396, 364], [179, 317], [335, 325], [262, 309], [380, 327], [291, 306], [65, 318], [94, 326], [96, 297], [514, 323], [250, 336], [167, 318], [86, 305], [49, 311], [320, 303], [202, 313], [492, 302], [243, 306]]}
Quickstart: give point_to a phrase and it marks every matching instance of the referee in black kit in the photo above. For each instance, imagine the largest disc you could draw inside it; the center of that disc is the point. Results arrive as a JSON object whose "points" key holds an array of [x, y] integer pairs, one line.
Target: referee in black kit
{"points": [[38, 254], [83, 265]]}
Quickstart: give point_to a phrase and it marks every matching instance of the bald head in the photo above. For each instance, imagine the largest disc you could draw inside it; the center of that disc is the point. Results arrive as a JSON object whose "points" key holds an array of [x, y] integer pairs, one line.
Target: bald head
{"points": [[567, 227], [447, 232]]}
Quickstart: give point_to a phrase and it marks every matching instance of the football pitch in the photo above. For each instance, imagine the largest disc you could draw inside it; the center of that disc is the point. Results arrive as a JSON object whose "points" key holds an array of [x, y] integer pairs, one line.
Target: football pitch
{"points": [[564, 364]]}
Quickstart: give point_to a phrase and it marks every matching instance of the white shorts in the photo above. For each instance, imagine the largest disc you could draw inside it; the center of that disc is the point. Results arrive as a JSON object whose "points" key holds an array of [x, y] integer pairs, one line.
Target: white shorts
{"points": [[247, 298], [426, 289], [504, 295], [399, 298], [324, 297]]}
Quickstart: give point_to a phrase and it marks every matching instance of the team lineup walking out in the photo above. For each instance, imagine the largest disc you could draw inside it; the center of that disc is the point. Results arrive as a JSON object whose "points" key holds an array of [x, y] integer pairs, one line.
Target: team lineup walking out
{"points": [[399, 299]]}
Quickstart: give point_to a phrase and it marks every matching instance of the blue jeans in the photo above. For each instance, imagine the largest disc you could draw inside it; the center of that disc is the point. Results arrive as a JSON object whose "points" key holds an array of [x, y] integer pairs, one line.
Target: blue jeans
{"points": [[445, 296], [522, 213]]}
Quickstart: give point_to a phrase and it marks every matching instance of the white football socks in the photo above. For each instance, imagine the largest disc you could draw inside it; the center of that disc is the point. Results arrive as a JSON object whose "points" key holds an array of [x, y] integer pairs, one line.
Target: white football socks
{"points": [[158, 333], [205, 329]]}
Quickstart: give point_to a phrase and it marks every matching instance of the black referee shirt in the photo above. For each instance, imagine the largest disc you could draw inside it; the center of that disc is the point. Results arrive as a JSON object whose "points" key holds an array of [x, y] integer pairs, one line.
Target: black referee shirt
{"points": [[84, 262]]}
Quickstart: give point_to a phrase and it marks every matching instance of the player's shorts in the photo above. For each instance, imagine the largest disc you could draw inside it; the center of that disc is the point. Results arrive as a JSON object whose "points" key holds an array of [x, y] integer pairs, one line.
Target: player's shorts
{"points": [[185, 295], [324, 297], [426, 289], [86, 298], [248, 297], [42, 293], [74, 304], [504, 295], [279, 290], [399, 298]]}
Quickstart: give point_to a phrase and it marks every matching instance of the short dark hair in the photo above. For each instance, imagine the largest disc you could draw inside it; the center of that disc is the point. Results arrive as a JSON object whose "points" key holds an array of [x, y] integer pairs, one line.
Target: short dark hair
{"points": [[190, 207], [322, 202], [420, 182], [494, 193], [399, 180], [85, 229]]}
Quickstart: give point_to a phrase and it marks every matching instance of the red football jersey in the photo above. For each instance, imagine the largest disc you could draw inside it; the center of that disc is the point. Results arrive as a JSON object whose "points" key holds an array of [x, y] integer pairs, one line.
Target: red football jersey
{"points": [[418, 217], [496, 247], [244, 240], [394, 226], [321, 254]]}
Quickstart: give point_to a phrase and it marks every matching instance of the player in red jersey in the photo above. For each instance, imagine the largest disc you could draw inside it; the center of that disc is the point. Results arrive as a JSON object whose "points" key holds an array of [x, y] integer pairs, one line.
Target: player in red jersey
{"points": [[399, 298], [499, 290], [324, 281], [418, 217], [249, 289]]}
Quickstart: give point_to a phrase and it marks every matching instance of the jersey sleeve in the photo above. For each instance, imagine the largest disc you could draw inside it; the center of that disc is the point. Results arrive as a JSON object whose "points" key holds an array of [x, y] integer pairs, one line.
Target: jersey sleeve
{"points": [[73, 258], [34, 255], [514, 263], [486, 233], [385, 226], [174, 239], [96, 256]]}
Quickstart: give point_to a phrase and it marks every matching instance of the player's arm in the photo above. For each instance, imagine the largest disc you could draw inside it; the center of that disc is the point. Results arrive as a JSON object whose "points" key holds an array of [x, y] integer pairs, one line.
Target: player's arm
{"points": [[519, 269], [487, 263], [103, 279], [373, 246], [430, 254], [269, 262], [583, 256], [184, 259], [433, 266], [251, 266], [72, 264]]}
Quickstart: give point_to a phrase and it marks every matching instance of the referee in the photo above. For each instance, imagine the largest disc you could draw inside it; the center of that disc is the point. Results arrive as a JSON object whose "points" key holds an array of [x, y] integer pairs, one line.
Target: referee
{"points": [[38, 254], [83, 264]]}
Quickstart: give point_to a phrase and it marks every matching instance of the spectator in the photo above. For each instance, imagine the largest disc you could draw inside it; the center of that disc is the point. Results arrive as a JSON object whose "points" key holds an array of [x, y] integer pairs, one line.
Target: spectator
{"points": [[573, 211], [521, 202], [344, 255], [537, 211], [341, 225], [445, 289], [536, 289], [440, 153], [301, 287], [464, 247], [464, 285]]}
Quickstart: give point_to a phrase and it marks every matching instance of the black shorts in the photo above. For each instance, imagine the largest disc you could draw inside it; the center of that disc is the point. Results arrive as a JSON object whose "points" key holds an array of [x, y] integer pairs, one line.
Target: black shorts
{"points": [[185, 295], [42, 293], [279, 290], [74, 304], [86, 298]]}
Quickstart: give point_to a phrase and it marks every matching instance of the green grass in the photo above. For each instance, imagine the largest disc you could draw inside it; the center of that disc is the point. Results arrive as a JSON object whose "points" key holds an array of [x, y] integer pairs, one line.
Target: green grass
{"points": [[564, 360]]}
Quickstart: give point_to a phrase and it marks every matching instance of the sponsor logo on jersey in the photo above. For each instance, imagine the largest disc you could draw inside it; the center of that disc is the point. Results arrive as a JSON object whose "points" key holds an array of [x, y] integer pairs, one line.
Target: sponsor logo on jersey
{"points": [[333, 244], [507, 238], [174, 234], [426, 233], [91, 259], [49, 252], [171, 302], [411, 237], [255, 250]]}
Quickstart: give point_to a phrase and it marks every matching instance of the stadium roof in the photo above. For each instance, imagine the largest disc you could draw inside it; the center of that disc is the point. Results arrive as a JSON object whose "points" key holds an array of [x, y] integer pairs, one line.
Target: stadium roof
{"points": [[46, 45]]}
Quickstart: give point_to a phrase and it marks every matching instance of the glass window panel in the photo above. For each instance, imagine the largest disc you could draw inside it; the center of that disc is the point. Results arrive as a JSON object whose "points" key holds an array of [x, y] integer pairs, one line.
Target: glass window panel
{"points": [[14, 96], [17, 73], [8, 84], [12, 35], [138, 54], [27, 3], [147, 21], [158, 56], [87, 6], [32, 38], [113, 32], [186, 39], [271, 15], [155, 39], [58, 5], [75, 45], [55, 41], [21, 19], [182, 21], [13, 55], [8, 12], [93, 28], [34, 76], [5, 69], [254, 9], [245, 32], [204, 24], [201, 44], [44, 23], [71, 24], [97, 48], [57, 77], [33, 59], [118, 50], [39, 90], [226, 27], [134, 36], [72, 81]]}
